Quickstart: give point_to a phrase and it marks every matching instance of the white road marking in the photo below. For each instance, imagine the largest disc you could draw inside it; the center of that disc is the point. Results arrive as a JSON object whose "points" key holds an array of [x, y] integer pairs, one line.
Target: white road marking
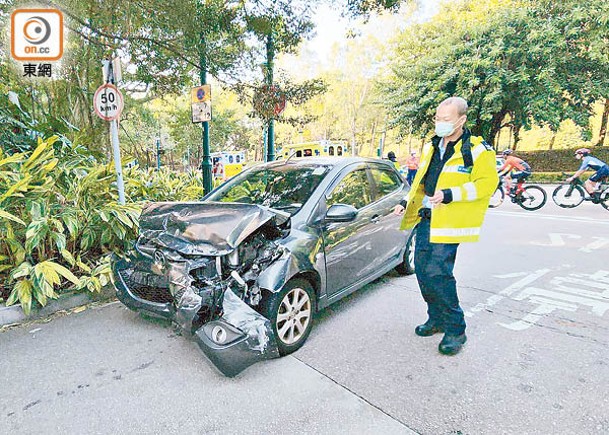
{"points": [[600, 242], [546, 306], [557, 217], [567, 293], [519, 285], [557, 239]]}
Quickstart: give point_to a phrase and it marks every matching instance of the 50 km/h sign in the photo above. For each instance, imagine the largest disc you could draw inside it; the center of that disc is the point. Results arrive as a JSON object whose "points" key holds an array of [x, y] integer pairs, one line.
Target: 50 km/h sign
{"points": [[108, 102]]}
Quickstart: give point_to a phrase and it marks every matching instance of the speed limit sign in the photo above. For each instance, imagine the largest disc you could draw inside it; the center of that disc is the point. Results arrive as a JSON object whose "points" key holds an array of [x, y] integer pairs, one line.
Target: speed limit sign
{"points": [[108, 102]]}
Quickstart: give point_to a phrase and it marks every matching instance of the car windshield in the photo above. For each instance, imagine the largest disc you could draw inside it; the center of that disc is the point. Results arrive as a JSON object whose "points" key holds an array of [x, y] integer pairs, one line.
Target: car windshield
{"points": [[286, 187]]}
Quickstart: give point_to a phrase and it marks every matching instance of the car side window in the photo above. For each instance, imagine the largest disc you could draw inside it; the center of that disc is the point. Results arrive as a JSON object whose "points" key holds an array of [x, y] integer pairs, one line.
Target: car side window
{"points": [[354, 189], [386, 180]]}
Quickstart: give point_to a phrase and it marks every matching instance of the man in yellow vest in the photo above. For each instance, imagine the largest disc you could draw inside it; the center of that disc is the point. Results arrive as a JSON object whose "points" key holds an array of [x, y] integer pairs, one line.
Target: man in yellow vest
{"points": [[447, 203]]}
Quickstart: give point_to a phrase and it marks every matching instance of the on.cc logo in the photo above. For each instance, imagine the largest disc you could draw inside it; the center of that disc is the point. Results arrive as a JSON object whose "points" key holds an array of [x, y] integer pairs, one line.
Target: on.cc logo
{"points": [[36, 30], [37, 35]]}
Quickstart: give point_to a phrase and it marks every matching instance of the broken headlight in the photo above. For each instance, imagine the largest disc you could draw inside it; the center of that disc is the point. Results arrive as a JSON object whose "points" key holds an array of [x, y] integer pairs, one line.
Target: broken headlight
{"points": [[222, 333]]}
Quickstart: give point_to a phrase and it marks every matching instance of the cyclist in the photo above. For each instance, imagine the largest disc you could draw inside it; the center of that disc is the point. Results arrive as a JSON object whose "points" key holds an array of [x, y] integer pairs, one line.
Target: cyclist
{"points": [[514, 168], [590, 162]]}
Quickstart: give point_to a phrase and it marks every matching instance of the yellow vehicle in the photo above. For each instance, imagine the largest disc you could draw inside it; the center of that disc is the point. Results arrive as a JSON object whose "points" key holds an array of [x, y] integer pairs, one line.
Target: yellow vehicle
{"points": [[321, 148], [226, 164]]}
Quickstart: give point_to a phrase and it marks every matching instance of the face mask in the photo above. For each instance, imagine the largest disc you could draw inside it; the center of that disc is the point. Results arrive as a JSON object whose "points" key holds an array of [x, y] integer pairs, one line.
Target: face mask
{"points": [[444, 129]]}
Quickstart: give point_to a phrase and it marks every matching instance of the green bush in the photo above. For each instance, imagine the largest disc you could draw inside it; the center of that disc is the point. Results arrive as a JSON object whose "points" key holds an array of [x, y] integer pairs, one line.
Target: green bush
{"points": [[60, 219], [547, 178], [558, 160]]}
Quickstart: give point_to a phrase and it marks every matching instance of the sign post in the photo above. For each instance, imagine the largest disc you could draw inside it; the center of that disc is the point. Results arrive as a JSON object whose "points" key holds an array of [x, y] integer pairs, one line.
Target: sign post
{"points": [[108, 103]]}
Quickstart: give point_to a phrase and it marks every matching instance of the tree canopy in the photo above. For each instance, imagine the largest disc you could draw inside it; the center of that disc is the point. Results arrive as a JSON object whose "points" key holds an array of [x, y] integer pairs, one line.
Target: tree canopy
{"points": [[517, 62]]}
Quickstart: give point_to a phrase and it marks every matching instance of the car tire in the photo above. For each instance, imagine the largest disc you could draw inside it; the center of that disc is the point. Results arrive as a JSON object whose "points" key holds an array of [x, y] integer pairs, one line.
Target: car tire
{"points": [[296, 298], [406, 267]]}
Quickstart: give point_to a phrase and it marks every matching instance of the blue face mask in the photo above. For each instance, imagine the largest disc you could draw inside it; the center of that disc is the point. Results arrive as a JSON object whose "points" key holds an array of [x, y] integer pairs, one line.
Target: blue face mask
{"points": [[444, 129]]}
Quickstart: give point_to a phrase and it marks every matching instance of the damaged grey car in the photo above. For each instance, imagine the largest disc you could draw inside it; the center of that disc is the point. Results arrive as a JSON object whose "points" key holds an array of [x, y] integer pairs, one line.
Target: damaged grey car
{"points": [[244, 271]]}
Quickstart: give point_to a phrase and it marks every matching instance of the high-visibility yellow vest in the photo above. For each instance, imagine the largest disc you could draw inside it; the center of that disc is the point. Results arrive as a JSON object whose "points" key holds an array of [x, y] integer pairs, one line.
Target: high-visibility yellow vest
{"points": [[471, 187]]}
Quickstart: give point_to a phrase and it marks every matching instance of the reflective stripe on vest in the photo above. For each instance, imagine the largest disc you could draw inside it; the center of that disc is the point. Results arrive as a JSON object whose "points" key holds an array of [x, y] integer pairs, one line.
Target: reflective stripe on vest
{"points": [[454, 232]]}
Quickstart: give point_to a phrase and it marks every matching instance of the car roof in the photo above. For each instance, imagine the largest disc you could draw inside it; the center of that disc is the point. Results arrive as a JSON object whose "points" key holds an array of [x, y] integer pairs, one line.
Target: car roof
{"points": [[324, 161]]}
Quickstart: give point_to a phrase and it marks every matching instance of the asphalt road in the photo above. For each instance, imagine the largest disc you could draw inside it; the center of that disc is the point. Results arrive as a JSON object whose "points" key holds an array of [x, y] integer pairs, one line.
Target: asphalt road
{"points": [[536, 293]]}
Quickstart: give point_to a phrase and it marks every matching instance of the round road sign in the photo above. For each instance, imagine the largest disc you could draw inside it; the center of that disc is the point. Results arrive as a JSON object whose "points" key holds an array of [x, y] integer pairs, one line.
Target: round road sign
{"points": [[108, 102]]}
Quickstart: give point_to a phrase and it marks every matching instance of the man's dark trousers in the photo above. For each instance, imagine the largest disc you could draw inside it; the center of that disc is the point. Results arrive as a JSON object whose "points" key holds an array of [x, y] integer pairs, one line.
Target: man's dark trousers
{"points": [[434, 264], [410, 176]]}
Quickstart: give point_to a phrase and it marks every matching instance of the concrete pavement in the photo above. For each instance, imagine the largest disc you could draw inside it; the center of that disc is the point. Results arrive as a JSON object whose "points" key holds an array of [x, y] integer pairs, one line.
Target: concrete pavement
{"points": [[536, 294]]}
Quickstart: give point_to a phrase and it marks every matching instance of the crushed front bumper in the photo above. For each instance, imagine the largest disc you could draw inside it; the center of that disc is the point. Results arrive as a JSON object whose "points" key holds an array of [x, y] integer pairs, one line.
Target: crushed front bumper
{"points": [[233, 342]]}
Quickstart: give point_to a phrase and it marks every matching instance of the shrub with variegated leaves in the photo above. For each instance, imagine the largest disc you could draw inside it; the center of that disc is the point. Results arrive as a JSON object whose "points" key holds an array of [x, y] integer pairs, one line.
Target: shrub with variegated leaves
{"points": [[59, 221]]}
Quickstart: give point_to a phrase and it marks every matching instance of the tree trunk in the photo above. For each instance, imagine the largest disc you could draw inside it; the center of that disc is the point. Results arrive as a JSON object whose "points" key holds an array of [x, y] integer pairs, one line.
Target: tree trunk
{"points": [[496, 123], [517, 128], [552, 140], [373, 137], [603, 131], [410, 142]]}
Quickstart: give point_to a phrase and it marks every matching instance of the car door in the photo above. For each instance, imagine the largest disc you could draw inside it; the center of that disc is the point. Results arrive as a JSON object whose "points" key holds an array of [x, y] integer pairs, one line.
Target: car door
{"points": [[388, 192], [347, 247]]}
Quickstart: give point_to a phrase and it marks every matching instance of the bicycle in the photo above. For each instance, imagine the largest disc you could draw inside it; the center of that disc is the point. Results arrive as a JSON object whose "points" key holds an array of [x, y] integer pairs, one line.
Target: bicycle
{"points": [[572, 194], [498, 196], [530, 197]]}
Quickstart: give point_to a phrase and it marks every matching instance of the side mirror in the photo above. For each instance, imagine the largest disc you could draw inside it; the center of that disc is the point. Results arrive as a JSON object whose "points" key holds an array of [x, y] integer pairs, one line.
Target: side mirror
{"points": [[341, 213]]}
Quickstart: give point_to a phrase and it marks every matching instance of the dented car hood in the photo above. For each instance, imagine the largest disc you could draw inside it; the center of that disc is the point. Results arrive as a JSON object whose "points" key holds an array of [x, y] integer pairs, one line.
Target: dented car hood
{"points": [[204, 228]]}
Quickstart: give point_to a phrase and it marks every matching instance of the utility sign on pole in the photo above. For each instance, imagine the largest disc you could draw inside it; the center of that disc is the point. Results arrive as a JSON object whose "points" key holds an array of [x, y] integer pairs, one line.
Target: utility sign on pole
{"points": [[200, 98], [108, 103]]}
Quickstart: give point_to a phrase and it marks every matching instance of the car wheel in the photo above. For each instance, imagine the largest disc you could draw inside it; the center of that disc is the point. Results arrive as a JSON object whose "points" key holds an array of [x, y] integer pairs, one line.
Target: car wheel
{"points": [[291, 314], [406, 267]]}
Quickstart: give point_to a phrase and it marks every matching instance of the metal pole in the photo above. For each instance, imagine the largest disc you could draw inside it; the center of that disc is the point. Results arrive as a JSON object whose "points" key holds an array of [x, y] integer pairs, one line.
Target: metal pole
{"points": [[116, 150], [270, 53], [265, 136], [206, 163], [158, 154], [117, 162]]}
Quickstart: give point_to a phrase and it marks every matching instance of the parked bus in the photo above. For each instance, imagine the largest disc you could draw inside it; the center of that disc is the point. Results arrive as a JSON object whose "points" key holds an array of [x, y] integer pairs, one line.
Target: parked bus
{"points": [[321, 148], [226, 164]]}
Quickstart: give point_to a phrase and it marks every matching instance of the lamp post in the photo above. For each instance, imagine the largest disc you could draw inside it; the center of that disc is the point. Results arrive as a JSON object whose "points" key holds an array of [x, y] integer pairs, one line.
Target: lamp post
{"points": [[270, 54], [206, 163], [158, 153]]}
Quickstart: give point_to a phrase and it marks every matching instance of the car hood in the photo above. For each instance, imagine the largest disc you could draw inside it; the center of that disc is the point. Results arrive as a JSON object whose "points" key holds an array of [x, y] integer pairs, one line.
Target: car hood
{"points": [[205, 228]]}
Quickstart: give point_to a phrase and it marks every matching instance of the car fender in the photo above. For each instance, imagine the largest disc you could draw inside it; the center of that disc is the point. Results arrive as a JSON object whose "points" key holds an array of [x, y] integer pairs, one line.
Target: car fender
{"points": [[304, 258]]}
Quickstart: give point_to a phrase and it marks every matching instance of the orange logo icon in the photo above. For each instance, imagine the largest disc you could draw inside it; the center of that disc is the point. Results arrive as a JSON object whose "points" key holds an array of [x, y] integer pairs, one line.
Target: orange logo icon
{"points": [[37, 35]]}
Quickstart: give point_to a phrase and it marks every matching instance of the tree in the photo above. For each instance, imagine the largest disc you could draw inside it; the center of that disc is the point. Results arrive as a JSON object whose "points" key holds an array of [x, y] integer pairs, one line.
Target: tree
{"points": [[603, 129], [524, 61], [280, 26]]}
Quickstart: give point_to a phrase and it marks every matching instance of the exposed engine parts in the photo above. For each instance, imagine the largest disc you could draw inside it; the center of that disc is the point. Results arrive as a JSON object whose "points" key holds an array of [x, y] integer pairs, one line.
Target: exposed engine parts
{"points": [[201, 265], [198, 283]]}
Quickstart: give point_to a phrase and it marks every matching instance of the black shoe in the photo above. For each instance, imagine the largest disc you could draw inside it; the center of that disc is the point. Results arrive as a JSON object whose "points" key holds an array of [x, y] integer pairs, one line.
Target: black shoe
{"points": [[452, 344], [427, 329], [596, 197]]}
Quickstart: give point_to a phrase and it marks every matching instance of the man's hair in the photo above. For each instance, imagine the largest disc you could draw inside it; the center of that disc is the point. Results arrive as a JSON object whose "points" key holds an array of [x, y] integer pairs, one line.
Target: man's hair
{"points": [[459, 102]]}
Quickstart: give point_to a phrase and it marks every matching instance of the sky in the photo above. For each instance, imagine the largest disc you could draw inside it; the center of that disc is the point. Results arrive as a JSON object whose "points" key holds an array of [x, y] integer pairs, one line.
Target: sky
{"points": [[331, 31], [331, 28]]}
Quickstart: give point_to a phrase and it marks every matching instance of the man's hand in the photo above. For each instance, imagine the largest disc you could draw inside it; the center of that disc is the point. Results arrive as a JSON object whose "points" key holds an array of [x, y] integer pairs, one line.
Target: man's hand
{"points": [[437, 198], [570, 179], [398, 210]]}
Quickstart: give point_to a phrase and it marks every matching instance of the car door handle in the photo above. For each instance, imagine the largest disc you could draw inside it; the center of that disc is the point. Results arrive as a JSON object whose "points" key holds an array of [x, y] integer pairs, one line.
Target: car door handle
{"points": [[375, 219]]}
